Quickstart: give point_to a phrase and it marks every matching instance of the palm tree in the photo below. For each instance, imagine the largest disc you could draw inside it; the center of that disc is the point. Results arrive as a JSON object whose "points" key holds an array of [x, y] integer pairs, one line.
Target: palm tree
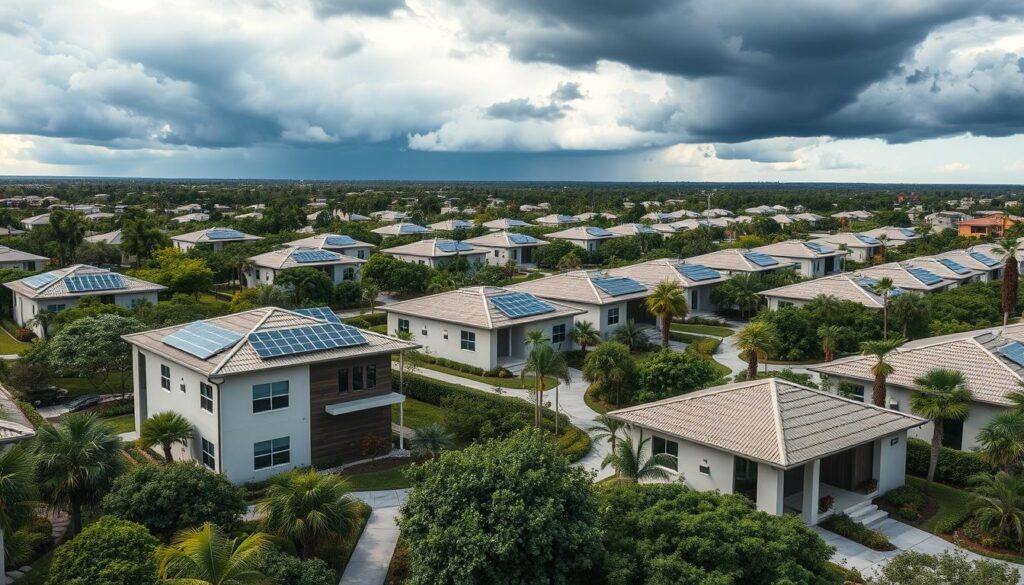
{"points": [[1011, 277], [78, 460], [17, 489], [668, 302], [629, 462], [608, 428], [907, 308], [165, 429], [535, 337], [68, 230], [882, 369], [430, 440], [584, 334], [44, 320], [941, 395], [543, 362], [632, 336], [205, 556], [139, 237], [757, 340], [745, 289], [884, 288], [271, 295], [609, 368], [828, 335], [369, 293], [1002, 440], [999, 504], [308, 508]]}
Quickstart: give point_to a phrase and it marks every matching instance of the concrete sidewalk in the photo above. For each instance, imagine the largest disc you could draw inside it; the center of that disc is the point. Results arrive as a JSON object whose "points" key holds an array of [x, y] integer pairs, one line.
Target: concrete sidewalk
{"points": [[372, 555]]}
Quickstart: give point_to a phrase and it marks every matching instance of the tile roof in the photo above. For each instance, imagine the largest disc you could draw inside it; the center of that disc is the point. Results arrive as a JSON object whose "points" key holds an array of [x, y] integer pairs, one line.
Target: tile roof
{"points": [[653, 272], [502, 239], [933, 265], [430, 249], [202, 236], [471, 306], [964, 258], [505, 223], [286, 258], [576, 286], [113, 238], [241, 358], [319, 241], [401, 228], [733, 260], [11, 255], [846, 287], [556, 219], [58, 287], [772, 421], [901, 277], [14, 426], [849, 239], [580, 233], [894, 234], [800, 249], [631, 229]]}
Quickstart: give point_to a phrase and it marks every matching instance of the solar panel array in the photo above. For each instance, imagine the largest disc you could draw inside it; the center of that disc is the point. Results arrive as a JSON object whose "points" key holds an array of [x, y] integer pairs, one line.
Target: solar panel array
{"points": [[451, 246], [90, 282], [280, 342], [40, 279], [522, 239], [515, 223], [305, 256], [761, 259], [599, 232], [954, 266], [925, 276], [618, 285], [986, 260], [1013, 351], [697, 272], [908, 232], [819, 247], [202, 340], [411, 228], [644, 229], [224, 234], [566, 218], [868, 239], [339, 240], [869, 284], [461, 223], [324, 313], [515, 305]]}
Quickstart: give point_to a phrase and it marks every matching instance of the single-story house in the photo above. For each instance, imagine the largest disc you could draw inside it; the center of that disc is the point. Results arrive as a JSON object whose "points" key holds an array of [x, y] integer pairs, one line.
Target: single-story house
{"points": [[946, 220], [450, 225], [191, 218], [216, 238], [436, 253], [947, 268], [717, 212], [609, 300], [263, 269], [504, 246], [908, 277], [11, 258], [813, 259], [391, 216], [761, 210], [859, 215], [588, 238], [556, 219], [485, 327], [631, 229], [989, 225], [697, 280], [738, 260], [30, 223], [782, 445], [342, 244], [861, 247], [989, 267], [685, 214], [112, 238], [401, 229], [850, 286], [505, 224], [584, 217], [894, 236]]}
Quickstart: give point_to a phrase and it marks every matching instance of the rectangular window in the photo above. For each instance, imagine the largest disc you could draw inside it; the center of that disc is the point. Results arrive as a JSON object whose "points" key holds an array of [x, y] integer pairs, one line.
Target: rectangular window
{"points": [[343, 384], [423, 331], [704, 467], [143, 386], [670, 448], [206, 397], [209, 459], [403, 325], [271, 453], [165, 377], [361, 254], [357, 377], [558, 333], [613, 316], [55, 308], [468, 340], [269, 396], [371, 376]]}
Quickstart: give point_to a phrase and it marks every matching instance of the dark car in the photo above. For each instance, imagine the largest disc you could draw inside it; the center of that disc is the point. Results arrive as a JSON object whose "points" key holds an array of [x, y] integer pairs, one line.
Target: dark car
{"points": [[83, 401], [49, 396]]}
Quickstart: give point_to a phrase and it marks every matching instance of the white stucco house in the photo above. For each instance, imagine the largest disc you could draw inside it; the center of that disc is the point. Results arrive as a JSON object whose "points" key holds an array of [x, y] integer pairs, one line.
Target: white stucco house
{"points": [[263, 269], [505, 224], [858, 215], [608, 300], [947, 269], [191, 218], [588, 238], [342, 244], [11, 258], [696, 279], [30, 223], [813, 259], [894, 236], [402, 229], [61, 289], [861, 247], [485, 327], [632, 229], [946, 220], [450, 225], [112, 238], [269, 389], [989, 267], [782, 445], [740, 261], [850, 286], [991, 360], [215, 238], [909, 277], [556, 219], [435, 253], [504, 246]]}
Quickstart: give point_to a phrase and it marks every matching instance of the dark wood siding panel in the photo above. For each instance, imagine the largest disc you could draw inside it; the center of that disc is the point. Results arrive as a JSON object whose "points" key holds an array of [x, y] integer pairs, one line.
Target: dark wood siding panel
{"points": [[323, 380]]}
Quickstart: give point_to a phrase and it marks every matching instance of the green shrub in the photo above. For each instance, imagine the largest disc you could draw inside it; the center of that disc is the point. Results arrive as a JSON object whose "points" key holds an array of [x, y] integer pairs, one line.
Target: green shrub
{"points": [[704, 347], [905, 495], [109, 551], [31, 414], [371, 319], [955, 467], [284, 569], [446, 363], [359, 322], [953, 520], [28, 542], [116, 408], [842, 525], [382, 329], [670, 373]]}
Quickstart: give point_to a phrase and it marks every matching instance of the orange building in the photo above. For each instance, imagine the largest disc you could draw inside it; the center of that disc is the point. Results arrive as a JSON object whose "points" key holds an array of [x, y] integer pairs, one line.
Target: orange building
{"points": [[990, 225]]}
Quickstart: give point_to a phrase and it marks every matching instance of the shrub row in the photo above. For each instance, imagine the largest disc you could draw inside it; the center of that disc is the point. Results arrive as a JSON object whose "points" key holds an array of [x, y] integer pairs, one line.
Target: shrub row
{"points": [[955, 467], [953, 520], [705, 347], [31, 414], [459, 366], [376, 318], [843, 525]]}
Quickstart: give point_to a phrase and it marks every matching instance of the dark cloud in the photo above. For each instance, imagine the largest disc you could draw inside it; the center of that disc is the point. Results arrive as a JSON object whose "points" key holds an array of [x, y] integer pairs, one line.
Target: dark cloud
{"points": [[329, 8], [521, 110], [567, 91]]}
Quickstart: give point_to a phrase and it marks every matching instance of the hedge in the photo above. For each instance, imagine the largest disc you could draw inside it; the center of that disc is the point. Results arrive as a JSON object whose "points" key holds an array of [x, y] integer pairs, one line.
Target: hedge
{"points": [[31, 414], [843, 525], [955, 467], [573, 443], [376, 318], [416, 356]]}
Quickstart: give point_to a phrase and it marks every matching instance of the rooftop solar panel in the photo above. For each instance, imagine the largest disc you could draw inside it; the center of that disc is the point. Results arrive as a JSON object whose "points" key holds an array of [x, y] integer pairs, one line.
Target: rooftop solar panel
{"points": [[954, 266], [986, 260], [925, 276], [40, 279], [202, 340], [908, 232], [566, 218], [452, 247], [307, 256], [697, 272], [281, 342], [819, 247], [644, 229], [224, 234], [91, 282], [761, 259], [522, 239], [599, 232], [1013, 351], [339, 240], [324, 313], [515, 223], [618, 285], [868, 240], [411, 228], [515, 305], [462, 223]]}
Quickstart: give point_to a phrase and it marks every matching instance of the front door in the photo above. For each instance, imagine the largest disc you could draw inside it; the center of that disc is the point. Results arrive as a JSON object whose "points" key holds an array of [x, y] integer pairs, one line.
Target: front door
{"points": [[504, 342]]}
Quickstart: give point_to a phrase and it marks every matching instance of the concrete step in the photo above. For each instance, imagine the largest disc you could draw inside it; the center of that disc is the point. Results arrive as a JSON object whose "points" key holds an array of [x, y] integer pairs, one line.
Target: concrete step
{"points": [[882, 525], [874, 519], [860, 510]]}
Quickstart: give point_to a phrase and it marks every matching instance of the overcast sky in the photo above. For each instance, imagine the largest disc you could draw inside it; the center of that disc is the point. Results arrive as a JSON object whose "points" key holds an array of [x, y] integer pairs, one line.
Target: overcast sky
{"points": [[649, 90]]}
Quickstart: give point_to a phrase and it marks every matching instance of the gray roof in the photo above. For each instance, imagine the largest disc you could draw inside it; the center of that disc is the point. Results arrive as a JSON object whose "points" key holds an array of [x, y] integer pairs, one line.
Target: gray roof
{"points": [[58, 288], [319, 241], [12, 255], [576, 286], [501, 239], [14, 425], [285, 258], [201, 237], [579, 233], [772, 421], [734, 260], [800, 249], [430, 249], [471, 307], [653, 272], [902, 277], [847, 287]]}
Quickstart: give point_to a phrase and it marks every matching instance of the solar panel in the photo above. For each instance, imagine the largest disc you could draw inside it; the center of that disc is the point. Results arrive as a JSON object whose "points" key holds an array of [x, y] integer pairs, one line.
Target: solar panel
{"points": [[461, 223], [324, 313], [925, 276], [908, 232], [566, 218], [599, 232], [618, 285], [279, 342], [867, 282], [761, 259], [515, 223], [451, 246], [515, 305], [522, 239], [304, 256], [952, 265], [986, 260], [202, 340], [339, 241], [819, 247], [1013, 351], [697, 272], [644, 229], [224, 234], [411, 228], [90, 282], [868, 239], [40, 279]]}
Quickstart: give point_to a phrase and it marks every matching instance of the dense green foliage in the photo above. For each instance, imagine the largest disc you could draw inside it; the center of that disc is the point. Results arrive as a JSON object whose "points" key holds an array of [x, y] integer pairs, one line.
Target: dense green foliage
{"points": [[284, 569], [670, 373], [955, 466], [843, 525], [392, 274], [109, 551], [797, 327], [92, 348], [914, 568]]}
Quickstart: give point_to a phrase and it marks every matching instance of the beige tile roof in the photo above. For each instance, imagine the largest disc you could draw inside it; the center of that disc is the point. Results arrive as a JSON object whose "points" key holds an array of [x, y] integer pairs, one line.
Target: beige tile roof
{"points": [[842, 286], [733, 260], [799, 249], [201, 237], [12, 255], [989, 376], [578, 233], [319, 241], [771, 421], [849, 239], [576, 286], [58, 289], [14, 426], [505, 224], [653, 272], [897, 271], [241, 358], [396, 229], [284, 258], [501, 239], [471, 306], [964, 258], [631, 229], [932, 264], [430, 249], [113, 238], [892, 234]]}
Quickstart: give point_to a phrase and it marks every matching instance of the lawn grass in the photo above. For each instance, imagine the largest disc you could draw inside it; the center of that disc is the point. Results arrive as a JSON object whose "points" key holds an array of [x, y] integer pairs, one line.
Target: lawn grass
{"points": [[515, 382], [714, 330], [387, 479], [9, 345], [79, 386], [418, 414], [950, 501], [122, 423], [596, 404]]}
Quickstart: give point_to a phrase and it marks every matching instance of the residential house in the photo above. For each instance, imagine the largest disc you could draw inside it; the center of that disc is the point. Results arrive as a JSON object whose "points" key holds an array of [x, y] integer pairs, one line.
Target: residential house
{"points": [[556, 219], [342, 244], [632, 229], [681, 214], [894, 236], [503, 247], [761, 210], [30, 223], [981, 227], [813, 259], [402, 229], [946, 268], [990, 267], [263, 269], [436, 253], [659, 217], [187, 208], [11, 258], [847, 216], [697, 280], [450, 225], [588, 238], [850, 286], [909, 277], [585, 217], [9, 231], [191, 218], [608, 300], [390, 216], [215, 238], [861, 247], [732, 261], [717, 212], [505, 224], [946, 220]]}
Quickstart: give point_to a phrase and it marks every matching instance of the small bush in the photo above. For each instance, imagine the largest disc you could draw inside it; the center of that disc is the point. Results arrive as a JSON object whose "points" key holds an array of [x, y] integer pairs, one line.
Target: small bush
{"points": [[842, 525], [24, 334], [109, 551], [450, 364], [376, 318], [116, 408], [950, 523], [28, 542], [31, 414], [284, 569], [359, 322], [704, 347], [955, 467], [825, 504], [904, 495]]}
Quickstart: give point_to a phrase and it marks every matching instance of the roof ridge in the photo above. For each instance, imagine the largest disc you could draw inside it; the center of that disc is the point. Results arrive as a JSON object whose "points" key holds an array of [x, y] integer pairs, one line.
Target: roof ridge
{"points": [[780, 430], [487, 308], [695, 394], [998, 359], [241, 342]]}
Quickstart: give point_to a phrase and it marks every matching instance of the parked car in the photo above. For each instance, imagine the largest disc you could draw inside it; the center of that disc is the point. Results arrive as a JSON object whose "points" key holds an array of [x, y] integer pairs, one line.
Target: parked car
{"points": [[50, 396], [82, 402]]}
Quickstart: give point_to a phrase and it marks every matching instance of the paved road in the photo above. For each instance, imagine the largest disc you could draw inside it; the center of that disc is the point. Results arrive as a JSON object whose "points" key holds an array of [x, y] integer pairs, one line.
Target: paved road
{"points": [[372, 555]]}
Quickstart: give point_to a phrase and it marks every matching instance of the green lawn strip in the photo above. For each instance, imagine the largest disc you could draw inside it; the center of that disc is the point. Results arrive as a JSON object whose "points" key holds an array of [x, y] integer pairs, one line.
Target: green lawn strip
{"points": [[122, 423], [387, 479], [10, 346], [714, 330], [950, 501], [418, 414], [596, 404], [514, 383], [349, 544], [79, 386]]}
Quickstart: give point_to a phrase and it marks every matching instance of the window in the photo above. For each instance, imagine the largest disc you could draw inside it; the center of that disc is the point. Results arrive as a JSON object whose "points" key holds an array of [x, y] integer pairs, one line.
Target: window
{"points": [[371, 376], [206, 397], [497, 253], [343, 384], [181, 385], [348, 274], [558, 333], [357, 377], [403, 325], [445, 334], [468, 340], [704, 467], [56, 308], [953, 434], [423, 331], [894, 405], [269, 396], [209, 459], [271, 453], [670, 448], [165, 377], [613, 316], [361, 254], [142, 372]]}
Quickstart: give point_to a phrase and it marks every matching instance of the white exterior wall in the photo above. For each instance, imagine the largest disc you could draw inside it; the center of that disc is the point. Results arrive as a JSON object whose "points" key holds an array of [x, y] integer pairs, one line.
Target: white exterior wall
{"points": [[770, 489], [691, 457], [699, 299], [439, 261], [499, 256], [588, 245], [434, 343], [25, 308], [598, 315], [774, 303], [263, 276], [891, 461]]}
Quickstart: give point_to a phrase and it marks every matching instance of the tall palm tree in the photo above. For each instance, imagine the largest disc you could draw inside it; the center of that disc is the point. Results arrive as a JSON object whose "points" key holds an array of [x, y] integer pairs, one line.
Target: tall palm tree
{"points": [[308, 508], [206, 556], [68, 230], [1002, 440], [630, 463], [882, 369], [584, 334], [544, 362], [632, 336], [757, 340], [431, 439], [668, 302], [369, 292], [999, 504], [17, 490], [828, 334], [907, 308], [78, 459], [271, 295], [1011, 278], [884, 288], [609, 368], [165, 429], [941, 395], [607, 428], [535, 337], [745, 289], [139, 237]]}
